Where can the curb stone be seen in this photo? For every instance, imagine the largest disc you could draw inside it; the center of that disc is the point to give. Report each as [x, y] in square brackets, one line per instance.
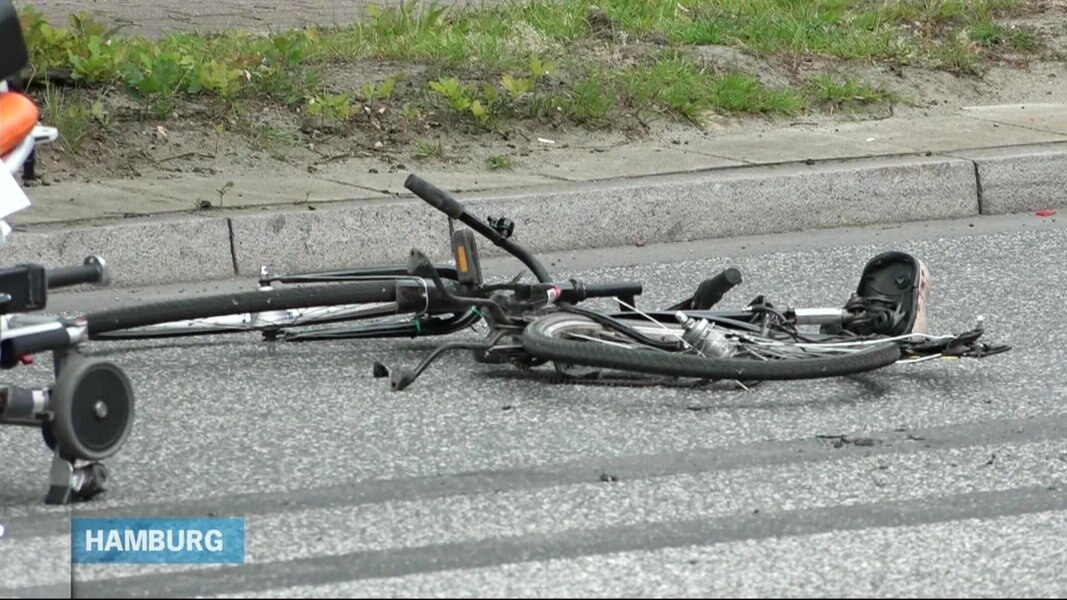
[676, 208]
[654, 209]
[1020, 179]
[143, 253]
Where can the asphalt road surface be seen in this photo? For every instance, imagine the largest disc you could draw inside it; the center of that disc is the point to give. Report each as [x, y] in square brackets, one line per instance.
[480, 480]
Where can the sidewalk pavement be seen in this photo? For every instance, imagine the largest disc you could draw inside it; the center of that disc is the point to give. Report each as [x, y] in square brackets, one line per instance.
[984, 160]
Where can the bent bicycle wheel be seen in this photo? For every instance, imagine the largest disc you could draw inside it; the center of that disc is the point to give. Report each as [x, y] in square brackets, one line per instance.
[574, 339]
[260, 310]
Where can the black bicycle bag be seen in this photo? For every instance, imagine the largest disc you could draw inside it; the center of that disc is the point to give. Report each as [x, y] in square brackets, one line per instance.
[13, 54]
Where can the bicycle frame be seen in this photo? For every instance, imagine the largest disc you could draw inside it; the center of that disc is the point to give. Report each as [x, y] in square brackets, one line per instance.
[509, 313]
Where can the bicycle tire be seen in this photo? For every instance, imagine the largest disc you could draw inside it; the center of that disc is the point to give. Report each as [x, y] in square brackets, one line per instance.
[539, 343]
[121, 319]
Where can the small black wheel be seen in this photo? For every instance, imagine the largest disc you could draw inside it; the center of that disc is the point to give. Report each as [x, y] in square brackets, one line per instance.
[89, 481]
[94, 407]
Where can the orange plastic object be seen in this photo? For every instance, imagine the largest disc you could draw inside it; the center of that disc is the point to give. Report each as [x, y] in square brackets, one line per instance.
[18, 115]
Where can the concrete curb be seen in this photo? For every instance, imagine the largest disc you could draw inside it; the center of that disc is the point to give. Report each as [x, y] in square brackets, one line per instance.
[1020, 179]
[656, 209]
[142, 253]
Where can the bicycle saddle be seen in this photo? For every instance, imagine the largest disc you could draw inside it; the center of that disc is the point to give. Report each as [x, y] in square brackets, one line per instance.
[893, 290]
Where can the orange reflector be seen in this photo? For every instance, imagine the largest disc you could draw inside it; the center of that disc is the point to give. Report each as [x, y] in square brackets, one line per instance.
[461, 259]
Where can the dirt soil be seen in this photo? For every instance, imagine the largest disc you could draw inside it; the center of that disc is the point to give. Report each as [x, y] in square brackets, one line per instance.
[191, 141]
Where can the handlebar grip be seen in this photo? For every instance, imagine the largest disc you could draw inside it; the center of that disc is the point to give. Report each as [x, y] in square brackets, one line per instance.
[434, 196]
[14, 348]
[712, 290]
[610, 290]
[93, 271]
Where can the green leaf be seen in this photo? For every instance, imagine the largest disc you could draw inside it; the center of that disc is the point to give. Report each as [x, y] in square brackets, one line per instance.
[98, 112]
[385, 90]
[479, 111]
[516, 87]
[366, 91]
[539, 68]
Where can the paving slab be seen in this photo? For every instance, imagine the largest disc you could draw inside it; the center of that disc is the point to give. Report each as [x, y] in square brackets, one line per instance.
[787, 145]
[1044, 117]
[391, 183]
[252, 190]
[124, 198]
[632, 160]
[1021, 179]
[940, 134]
[75, 201]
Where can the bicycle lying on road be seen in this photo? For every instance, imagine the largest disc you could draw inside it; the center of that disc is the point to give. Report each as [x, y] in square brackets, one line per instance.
[86, 416]
[534, 323]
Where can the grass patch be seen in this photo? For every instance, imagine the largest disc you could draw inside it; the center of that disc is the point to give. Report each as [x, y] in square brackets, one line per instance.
[273, 140]
[991, 34]
[500, 163]
[957, 57]
[73, 116]
[934, 14]
[550, 60]
[678, 86]
[592, 101]
[836, 93]
[429, 149]
[774, 27]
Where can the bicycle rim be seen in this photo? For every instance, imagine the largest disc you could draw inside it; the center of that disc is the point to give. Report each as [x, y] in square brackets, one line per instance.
[574, 339]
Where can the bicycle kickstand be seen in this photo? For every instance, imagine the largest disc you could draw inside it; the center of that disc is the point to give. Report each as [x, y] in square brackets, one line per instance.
[401, 377]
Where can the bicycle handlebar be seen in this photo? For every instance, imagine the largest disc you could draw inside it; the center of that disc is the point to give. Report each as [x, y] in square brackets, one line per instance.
[435, 196]
[444, 202]
[43, 338]
[712, 290]
[93, 271]
[584, 291]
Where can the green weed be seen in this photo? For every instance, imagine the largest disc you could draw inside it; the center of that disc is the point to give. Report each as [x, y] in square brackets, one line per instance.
[500, 163]
[461, 97]
[331, 109]
[427, 149]
[73, 118]
[835, 92]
